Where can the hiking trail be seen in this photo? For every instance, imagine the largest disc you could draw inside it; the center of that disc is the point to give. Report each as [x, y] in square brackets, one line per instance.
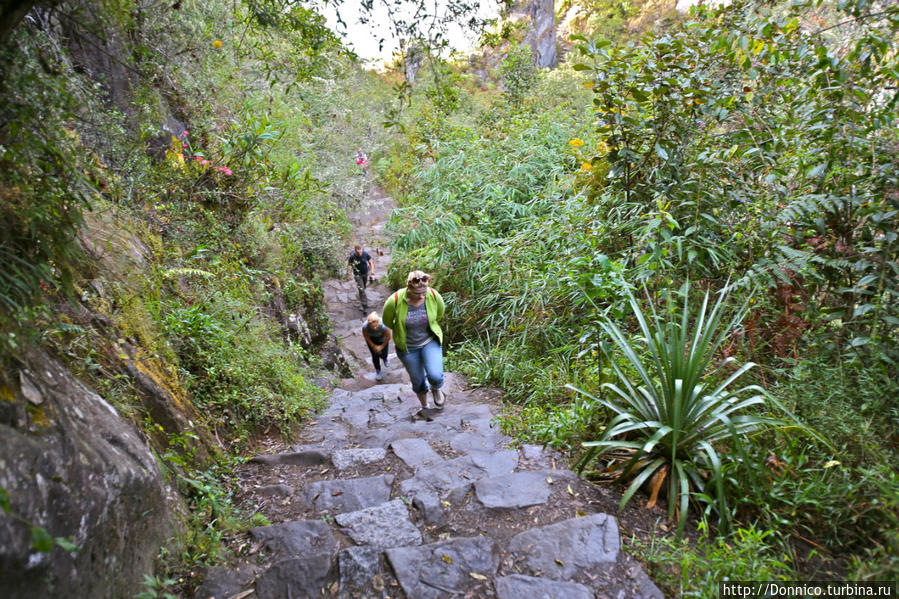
[382, 499]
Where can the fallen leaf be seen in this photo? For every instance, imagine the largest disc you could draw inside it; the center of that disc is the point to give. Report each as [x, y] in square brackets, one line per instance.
[445, 503]
[477, 576]
[378, 583]
[549, 480]
[447, 559]
[560, 562]
[831, 464]
[570, 492]
[336, 493]
[580, 513]
[334, 588]
[388, 468]
[655, 485]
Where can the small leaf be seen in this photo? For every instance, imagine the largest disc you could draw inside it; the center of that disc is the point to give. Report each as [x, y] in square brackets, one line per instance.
[549, 480]
[570, 492]
[447, 558]
[560, 562]
[477, 576]
[41, 540]
[71, 547]
[831, 464]
[661, 152]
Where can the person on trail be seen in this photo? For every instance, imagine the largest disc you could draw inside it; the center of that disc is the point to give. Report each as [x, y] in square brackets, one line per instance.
[362, 161]
[377, 336]
[360, 267]
[414, 314]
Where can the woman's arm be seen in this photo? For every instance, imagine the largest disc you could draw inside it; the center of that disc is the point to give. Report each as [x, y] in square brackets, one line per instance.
[386, 340]
[368, 340]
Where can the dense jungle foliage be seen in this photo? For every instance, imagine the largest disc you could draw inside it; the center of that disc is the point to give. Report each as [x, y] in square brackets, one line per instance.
[676, 252]
[747, 153]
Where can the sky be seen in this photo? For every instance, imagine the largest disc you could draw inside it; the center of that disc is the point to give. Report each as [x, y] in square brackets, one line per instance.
[364, 39]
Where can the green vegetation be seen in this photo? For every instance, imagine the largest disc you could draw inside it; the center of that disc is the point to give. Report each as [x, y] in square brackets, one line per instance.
[174, 185]
[753, 146]
[671, 414]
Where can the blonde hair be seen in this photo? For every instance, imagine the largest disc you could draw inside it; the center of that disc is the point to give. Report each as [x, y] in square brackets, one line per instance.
[373, 318]
[416, 273]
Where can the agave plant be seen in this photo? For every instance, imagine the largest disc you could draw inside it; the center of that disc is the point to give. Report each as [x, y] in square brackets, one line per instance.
[674, 409]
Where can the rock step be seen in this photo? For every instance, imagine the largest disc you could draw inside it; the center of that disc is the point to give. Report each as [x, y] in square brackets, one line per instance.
[579, 557]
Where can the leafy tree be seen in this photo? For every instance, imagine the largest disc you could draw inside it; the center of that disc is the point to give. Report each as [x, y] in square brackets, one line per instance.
[519, 71]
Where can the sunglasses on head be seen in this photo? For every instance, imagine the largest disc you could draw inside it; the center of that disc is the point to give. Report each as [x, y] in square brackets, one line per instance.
[417, 280]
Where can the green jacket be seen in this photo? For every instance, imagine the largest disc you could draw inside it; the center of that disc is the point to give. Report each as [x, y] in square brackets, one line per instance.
[396, 307]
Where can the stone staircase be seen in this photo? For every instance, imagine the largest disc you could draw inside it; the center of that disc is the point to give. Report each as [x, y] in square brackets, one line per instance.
[382, 499]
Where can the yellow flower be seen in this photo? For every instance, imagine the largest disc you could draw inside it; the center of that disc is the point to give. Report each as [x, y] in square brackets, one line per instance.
[586, 166]
[576, 142]
[588, 84]
[217, 44]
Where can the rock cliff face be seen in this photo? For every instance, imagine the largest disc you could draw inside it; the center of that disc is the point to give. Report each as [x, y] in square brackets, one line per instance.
[71, 465]
[541, 34]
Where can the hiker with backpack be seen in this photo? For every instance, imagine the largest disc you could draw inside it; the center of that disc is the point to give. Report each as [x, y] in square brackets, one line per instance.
[362, 269]
[414, 314]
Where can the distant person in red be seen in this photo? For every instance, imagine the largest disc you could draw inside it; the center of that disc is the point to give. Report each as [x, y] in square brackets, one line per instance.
[362, 161]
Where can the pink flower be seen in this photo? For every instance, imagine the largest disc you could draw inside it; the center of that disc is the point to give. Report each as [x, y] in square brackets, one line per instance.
[198, 158]
[228, 171]
[185, 133]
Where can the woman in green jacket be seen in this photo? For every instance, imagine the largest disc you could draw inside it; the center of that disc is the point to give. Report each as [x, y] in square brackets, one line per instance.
[413, 314]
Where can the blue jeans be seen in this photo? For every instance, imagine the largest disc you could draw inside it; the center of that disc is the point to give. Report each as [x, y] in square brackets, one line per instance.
[421, 362]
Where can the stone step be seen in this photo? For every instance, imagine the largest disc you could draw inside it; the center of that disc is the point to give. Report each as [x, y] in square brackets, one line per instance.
[454, 567]
[383, 526]
[347, 495]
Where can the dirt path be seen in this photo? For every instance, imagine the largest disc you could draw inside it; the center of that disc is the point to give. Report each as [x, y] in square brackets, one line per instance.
[381, 499]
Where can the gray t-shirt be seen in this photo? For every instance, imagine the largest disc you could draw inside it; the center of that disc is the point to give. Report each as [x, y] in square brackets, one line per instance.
[417, 331]
[376, 335]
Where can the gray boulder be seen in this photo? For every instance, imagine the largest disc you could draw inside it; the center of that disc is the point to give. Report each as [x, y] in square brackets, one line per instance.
[72, 466]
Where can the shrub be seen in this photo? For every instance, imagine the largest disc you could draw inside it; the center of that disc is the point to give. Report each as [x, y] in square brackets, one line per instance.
[672, 409]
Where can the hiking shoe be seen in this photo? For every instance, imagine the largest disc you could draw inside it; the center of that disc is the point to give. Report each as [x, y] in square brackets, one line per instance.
[386, 361]
[439, 398]
[378, 376]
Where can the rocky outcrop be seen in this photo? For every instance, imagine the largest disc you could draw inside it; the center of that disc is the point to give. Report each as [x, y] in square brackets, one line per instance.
[73, 467]
[541, 33]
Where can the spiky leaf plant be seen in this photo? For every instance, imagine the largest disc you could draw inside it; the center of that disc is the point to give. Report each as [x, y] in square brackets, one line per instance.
[674, 409]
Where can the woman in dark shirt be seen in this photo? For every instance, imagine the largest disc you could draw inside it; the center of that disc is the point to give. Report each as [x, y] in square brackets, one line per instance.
[377, 336]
